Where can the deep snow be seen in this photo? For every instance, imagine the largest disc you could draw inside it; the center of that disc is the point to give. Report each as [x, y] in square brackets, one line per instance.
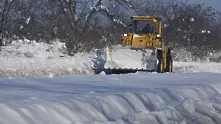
[139, 98]
[28, 58]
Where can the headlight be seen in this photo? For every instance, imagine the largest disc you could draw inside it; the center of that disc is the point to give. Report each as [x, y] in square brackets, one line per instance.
[125, 35]
[158, 35]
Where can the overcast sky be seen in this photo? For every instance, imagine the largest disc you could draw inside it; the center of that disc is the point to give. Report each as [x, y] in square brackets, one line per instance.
[214, 3]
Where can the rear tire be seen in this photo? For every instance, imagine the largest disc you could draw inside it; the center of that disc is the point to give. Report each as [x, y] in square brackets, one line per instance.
[169, 62]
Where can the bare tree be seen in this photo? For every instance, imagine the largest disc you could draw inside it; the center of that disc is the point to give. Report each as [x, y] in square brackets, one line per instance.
[84, 24]
[80, 13]
[5, 7]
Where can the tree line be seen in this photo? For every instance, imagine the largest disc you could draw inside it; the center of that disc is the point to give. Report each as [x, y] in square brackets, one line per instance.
[87, 24]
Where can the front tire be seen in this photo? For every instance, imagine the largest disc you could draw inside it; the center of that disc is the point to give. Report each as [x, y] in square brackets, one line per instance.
[160, 61]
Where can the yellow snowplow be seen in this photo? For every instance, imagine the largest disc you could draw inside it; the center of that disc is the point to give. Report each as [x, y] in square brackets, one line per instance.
[142, 49]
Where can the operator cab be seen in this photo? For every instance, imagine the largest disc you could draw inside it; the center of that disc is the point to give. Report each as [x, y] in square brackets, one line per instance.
[145, 31]
[146, 25]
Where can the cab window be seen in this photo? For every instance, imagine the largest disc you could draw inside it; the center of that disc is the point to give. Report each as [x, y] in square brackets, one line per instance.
[144, 26]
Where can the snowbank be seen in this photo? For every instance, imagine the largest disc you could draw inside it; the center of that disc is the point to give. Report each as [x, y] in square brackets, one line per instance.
[29, 58]
[117, 99]
[189, 67]
[31, 49]
[140, 98]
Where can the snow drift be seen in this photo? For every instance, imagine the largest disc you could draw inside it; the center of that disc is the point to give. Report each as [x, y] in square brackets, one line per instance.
[117, 99]
[140, 98]
[29, 58]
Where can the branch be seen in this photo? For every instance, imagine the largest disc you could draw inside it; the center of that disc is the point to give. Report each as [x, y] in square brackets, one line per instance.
[92, 10]
[100, 8]
[128, 3]
[67, 16]
[72, 10]
[5, 12]
[83, 10]
[10, 4]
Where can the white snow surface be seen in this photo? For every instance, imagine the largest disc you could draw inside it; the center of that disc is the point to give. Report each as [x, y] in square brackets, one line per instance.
[191, 95]
[29, 58]
[141, 98]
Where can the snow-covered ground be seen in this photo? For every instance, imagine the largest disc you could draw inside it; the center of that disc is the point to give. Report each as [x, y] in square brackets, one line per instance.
[140, 98]
[28, 58]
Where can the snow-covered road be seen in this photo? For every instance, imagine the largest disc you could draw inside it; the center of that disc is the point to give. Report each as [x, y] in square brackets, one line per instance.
[141, 98]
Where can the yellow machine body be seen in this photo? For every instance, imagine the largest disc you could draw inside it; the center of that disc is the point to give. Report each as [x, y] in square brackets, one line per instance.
[135, 38]
[145, 42]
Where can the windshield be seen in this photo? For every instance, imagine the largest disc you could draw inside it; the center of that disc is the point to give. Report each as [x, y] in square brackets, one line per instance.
[144, 26]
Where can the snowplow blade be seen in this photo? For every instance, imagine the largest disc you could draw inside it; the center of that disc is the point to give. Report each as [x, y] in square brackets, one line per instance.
[122, 60]
[119, 71]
